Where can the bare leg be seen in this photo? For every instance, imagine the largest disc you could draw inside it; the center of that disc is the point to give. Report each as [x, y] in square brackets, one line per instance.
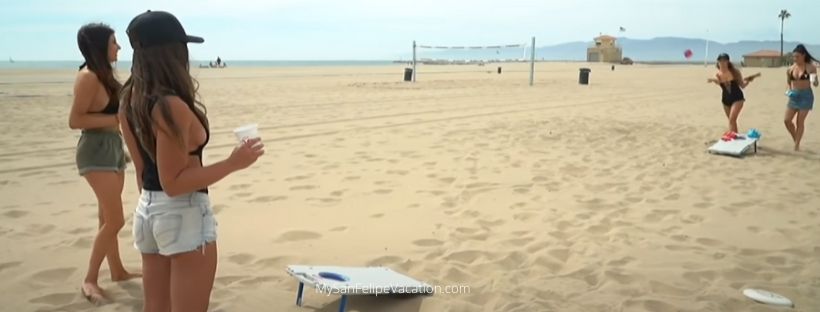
[156, 283]
[734, 112]
[107, 187]
[727, 110]
[800, 127]
[787, 120]
[192, 279]
[118, 271]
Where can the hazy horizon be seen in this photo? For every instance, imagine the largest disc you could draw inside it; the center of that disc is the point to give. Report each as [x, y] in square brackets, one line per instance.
[384, 30]
[194, 60]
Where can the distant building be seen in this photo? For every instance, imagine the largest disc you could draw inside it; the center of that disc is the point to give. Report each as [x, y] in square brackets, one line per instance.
[604, 50]
[763, 58]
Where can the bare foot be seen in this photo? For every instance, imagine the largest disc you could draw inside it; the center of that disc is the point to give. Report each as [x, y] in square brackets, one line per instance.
[124, 276]
[93, 293]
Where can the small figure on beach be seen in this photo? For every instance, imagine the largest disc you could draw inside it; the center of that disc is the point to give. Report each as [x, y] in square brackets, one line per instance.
[218, 64]
[100, 155]
[800, 77]
[732, 83]
[166, 131]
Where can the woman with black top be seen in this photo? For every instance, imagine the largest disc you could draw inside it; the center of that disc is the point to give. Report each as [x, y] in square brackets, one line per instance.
[100, 157]
[732, 84]
[166, 131]
[801, 98]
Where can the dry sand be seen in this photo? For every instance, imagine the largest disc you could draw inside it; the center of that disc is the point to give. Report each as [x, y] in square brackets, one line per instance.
[556, 197]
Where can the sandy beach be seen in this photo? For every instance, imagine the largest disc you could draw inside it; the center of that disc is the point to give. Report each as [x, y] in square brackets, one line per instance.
[555, 197]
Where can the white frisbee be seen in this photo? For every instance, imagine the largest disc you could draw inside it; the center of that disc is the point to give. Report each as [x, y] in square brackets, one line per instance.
[767, 297]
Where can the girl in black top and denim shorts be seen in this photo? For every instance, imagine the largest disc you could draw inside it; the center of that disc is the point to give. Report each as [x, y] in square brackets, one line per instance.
[166, 130]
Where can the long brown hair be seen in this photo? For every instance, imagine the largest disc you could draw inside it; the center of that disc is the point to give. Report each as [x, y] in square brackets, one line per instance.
[807, 58]
[736, 75]
[157, 72]
[93, 40]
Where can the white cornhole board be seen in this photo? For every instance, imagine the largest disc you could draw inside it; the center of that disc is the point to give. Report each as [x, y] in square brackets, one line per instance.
[360, 281]
[767, 297]
[736, 147]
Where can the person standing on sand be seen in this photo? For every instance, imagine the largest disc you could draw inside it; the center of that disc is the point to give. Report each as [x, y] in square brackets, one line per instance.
[100, 156]
[731, 82]
[166, 130]
[799, 79]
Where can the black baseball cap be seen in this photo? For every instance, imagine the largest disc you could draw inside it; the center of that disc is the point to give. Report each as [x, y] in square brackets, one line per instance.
[154, 28]
[723, 56]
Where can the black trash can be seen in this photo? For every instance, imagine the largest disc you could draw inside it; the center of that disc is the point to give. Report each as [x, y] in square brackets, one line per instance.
[499, 69]
[583, 77]
[408, 74]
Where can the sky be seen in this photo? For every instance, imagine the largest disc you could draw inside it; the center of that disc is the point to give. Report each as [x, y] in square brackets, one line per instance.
[385, 29]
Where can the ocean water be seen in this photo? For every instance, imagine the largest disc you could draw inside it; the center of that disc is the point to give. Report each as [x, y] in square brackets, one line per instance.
[127, 64]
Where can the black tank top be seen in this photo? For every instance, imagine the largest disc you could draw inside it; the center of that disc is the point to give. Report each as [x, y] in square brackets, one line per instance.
[150, 172]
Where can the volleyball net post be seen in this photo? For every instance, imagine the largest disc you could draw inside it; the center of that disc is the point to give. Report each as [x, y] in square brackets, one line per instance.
[532, 62]
[414, 61]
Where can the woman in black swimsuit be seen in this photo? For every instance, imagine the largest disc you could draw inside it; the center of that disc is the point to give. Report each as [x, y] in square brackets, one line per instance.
[100, 157]
[732, 84]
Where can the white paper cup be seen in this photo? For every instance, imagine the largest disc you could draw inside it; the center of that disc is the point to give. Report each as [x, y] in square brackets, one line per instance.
[813, 78]
[246, 132]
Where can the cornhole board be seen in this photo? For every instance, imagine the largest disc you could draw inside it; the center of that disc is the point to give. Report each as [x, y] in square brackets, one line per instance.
[735, 147]
[350, 281]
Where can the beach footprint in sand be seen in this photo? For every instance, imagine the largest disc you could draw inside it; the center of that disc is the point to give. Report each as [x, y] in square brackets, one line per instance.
[428, 242]
[53, 276]
[466, 256]
[298, 235]
[239, 187]
[385, 260]
[267, 199]
[9, 265]
[303, 187]
[241, 258]
[58, 299]
[34, 230]
[15, 214]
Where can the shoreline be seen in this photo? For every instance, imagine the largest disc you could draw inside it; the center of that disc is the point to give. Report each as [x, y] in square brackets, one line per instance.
[59, 65]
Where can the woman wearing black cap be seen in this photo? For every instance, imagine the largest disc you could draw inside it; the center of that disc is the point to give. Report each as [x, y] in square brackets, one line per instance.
[801, 98]
[100, 157]
[731, 83]
[166, 130]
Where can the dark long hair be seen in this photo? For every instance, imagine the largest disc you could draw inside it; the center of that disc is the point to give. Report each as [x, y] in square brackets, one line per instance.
[800, 48]
[157, 72]
[736, 75]
[93, 40]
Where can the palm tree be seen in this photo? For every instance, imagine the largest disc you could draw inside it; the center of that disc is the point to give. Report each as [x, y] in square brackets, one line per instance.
[783, 16]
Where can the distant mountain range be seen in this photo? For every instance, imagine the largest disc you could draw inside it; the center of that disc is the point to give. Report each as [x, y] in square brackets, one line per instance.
[662, 49]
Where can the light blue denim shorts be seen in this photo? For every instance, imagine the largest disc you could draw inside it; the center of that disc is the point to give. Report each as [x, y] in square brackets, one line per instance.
[801, 99]
[171, 225]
